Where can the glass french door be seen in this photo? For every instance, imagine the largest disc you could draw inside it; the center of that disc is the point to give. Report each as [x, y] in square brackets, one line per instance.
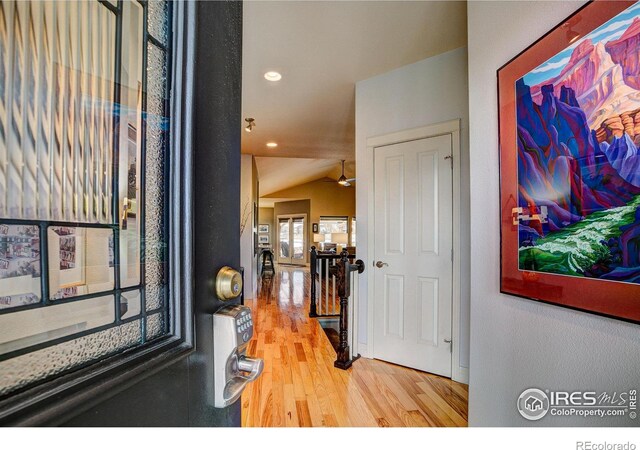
[292, 240]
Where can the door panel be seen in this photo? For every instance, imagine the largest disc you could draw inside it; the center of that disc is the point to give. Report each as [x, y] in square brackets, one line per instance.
[298, 239]
[428, 202]
[428, 310]
[394, 205]
[284, 241]
[292, 236]
[413, 241]
[394, 305]
[182, 393]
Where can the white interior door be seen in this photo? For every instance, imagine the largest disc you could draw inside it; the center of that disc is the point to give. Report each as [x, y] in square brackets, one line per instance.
[292, 239]
[413, 249]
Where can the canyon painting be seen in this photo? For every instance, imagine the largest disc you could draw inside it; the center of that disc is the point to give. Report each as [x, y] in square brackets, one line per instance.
[578, 157]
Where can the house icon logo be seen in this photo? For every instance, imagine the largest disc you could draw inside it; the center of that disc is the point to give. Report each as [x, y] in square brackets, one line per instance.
[533, 404]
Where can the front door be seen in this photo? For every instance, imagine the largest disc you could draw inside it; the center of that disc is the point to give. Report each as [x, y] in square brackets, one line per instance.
[292, 239]
[119, 203]
[413, 254]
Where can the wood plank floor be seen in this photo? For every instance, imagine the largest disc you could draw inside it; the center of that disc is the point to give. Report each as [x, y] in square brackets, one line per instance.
[300, 387]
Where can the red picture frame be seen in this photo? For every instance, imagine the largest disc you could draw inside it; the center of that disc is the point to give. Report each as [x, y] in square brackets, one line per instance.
[615, 299]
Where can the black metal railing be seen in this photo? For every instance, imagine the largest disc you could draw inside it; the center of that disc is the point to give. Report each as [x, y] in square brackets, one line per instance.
[341, 269]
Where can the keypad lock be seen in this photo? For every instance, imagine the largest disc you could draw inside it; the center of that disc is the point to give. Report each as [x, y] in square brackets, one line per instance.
[233, 369]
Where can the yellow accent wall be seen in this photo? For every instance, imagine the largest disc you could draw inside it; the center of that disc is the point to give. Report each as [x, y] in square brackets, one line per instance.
[327, 198]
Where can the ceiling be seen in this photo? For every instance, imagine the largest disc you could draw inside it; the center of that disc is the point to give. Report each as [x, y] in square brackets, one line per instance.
[276, 173]
[322, 49]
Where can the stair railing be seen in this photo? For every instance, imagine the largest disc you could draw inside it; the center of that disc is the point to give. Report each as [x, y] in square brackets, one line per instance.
[343, 287]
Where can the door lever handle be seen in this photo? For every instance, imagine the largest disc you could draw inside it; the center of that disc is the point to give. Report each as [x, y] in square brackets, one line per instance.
[380, 264]
[447, 341]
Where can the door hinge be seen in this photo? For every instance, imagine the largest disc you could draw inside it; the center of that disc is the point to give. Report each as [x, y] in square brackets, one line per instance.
[450, 158]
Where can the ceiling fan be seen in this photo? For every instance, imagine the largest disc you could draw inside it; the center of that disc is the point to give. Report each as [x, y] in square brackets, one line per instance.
[344, 181]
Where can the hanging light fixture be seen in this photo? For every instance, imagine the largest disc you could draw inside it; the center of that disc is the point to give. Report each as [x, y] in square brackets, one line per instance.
[251, 123]
[343, 180]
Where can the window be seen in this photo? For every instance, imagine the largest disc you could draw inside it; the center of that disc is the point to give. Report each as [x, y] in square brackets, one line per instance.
[332, 225]
[83, 183]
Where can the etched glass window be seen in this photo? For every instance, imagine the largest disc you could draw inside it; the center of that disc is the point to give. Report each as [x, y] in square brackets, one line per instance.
[84, 122]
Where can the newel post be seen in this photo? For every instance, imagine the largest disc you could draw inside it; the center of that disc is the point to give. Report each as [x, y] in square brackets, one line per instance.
[314, 273]
[343, 283]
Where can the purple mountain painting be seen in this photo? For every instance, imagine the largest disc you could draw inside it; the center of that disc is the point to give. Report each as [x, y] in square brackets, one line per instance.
[579, 158]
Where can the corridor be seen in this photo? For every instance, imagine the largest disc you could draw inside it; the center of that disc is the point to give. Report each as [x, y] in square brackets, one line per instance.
[300, 387]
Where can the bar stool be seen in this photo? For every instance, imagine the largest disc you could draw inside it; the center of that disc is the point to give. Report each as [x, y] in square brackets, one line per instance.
[267, 254]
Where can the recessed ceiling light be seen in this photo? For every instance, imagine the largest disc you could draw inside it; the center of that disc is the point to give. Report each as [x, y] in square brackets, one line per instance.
[272, 144]
[273, 76]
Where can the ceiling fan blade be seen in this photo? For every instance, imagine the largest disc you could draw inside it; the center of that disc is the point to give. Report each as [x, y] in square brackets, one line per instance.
[349, 180]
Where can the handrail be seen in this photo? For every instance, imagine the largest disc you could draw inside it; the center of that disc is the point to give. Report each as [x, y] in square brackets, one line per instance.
[323, 285]
[341, 273]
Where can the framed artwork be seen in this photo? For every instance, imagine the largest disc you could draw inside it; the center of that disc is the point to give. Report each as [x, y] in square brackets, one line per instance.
[255, 227]
[569, 110]
[255, 244]
[68, 255]
[19, 265]
[263, 228]
[315, 227]
[262, 239]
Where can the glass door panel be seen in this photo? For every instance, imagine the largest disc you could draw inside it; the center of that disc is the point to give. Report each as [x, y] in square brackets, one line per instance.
[292, 239]
[297, 257]
[83, 143]
[284, 254]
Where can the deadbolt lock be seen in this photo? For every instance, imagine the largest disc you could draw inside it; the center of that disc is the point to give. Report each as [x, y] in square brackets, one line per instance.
[228, 283]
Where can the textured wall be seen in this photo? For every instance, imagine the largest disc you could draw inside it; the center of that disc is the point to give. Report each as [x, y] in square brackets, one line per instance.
[518, 343]
[427, 92]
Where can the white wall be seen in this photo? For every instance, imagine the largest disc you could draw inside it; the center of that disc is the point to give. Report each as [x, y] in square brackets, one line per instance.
[427, 92]
[248, 196]
[518, 343]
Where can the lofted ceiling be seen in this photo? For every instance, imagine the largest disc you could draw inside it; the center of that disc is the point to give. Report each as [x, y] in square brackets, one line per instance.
[276, 173]
[322, 48]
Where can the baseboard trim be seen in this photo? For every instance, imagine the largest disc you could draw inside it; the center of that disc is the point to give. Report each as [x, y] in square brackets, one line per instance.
[363, 349]
[461, 375]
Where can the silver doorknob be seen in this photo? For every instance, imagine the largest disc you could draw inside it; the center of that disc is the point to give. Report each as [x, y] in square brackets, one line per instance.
[380, 264]
[447, 341]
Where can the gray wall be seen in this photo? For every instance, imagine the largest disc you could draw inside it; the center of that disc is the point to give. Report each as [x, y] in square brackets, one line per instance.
[248, 197]
[518, 343]
[427, 92]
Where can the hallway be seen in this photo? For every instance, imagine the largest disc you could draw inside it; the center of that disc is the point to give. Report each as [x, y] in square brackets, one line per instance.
[300, 386]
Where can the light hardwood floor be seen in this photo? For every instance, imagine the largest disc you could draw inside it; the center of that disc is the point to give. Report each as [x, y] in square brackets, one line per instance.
[300, 387]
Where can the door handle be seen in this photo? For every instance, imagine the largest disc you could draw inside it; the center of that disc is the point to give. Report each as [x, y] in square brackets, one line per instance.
[252, 365]
[447, 341]
[380, 264]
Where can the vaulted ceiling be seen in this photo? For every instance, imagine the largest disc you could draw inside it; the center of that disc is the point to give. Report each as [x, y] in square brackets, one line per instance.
[322, 48]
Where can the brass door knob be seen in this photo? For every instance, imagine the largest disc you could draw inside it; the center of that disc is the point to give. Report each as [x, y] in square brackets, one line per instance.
[228, 283]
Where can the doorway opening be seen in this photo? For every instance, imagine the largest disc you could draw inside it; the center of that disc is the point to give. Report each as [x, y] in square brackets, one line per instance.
[292, 239]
